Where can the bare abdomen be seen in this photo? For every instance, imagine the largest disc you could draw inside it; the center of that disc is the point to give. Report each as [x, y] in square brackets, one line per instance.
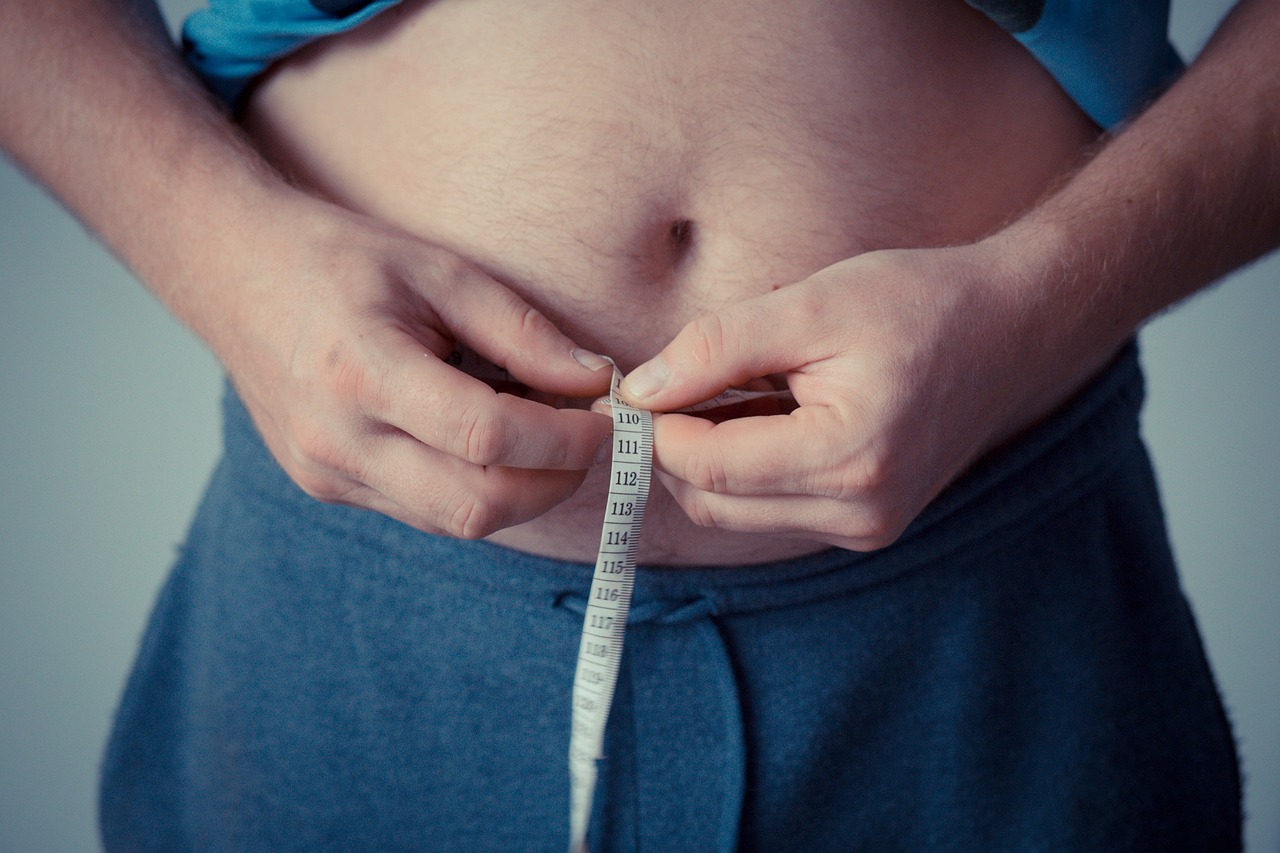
[627, 166]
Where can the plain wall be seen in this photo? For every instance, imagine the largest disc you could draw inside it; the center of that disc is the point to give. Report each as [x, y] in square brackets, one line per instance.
[108, 430]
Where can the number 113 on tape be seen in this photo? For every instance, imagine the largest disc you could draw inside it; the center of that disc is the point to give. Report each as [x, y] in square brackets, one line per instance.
[605, 622]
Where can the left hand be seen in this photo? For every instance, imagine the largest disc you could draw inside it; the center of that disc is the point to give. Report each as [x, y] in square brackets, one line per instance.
[907, 365]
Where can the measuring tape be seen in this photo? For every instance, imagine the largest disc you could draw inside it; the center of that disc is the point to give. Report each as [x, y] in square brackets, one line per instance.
[604, 624]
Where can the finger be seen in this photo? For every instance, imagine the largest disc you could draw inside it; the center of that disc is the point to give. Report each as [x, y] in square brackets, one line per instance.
[439, 493]
[811, 451]
[502, 327]
[853, 525]
[460, 415]
[774, 333]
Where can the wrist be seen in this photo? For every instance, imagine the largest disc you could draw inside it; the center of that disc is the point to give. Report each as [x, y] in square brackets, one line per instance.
[203, 248]
[1073, 288]
[1065, 322]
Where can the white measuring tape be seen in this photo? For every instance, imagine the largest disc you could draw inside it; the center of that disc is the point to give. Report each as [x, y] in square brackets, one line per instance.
[604, 624]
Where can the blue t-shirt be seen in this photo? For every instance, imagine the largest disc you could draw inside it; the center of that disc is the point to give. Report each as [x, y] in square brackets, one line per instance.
[1111, 56]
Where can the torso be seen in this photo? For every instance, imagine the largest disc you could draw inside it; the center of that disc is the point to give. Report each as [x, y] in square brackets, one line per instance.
[627, 166]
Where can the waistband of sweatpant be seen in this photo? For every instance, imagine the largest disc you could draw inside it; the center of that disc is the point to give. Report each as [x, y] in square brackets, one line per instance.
[1053, 465]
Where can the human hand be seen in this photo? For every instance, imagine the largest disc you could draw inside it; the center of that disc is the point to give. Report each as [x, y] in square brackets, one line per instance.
[907, 365]
[337, 341]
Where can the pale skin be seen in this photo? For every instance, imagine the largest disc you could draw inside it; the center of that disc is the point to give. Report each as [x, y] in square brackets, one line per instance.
[329, 377]
[951, 352]
[908, 364]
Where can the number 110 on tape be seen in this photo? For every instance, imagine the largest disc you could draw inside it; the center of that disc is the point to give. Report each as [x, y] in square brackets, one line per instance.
[605, 620]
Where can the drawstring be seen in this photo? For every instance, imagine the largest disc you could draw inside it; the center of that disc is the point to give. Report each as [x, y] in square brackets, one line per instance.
[714, 669]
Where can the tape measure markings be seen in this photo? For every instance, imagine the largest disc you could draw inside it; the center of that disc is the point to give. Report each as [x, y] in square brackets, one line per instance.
[604, 623]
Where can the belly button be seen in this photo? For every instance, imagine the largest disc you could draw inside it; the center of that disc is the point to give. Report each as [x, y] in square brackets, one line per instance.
[669, 248]
[681, 233]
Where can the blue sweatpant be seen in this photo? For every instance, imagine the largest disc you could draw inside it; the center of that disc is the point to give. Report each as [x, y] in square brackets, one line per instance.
[1020, 672]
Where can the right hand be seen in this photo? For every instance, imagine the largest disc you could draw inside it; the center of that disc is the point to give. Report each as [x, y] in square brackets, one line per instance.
[336, 343]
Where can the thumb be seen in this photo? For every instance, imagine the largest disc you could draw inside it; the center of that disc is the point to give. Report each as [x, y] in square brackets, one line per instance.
[718, 351]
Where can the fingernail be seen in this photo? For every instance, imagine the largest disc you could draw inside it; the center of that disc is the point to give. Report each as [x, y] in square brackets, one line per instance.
[589, 359]
[604, 451]
[646, 380]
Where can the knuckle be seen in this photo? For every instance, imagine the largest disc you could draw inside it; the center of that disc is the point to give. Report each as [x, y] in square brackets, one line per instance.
[863, 477]
[316, 451]
[317, 485]
[700, 512]
[346, 369]
[322, 484]
[877, 526]
[692, 503]
[881, 530]
[707, 472]
[445, 268]
[473, 517]
[484, 438]
[440, 276]
[520, 319]
[707, 339]
[876, 517]
[530, 321]
[324, 467]
[562, 455]
[374, 387]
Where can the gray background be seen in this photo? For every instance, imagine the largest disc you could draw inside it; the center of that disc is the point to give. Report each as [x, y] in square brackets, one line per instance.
[108, 433]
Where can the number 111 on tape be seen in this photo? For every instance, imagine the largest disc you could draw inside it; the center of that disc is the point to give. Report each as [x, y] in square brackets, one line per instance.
[605, 621]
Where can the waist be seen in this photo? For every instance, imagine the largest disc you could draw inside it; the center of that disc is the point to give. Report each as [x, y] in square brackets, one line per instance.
[627, 167]
[1055, 465]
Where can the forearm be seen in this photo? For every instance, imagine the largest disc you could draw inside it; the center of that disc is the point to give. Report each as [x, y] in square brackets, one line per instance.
[96, 105]
[1186, 193]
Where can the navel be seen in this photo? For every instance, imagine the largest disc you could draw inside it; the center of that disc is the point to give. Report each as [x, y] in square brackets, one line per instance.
[666, 249]
[681, 234]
